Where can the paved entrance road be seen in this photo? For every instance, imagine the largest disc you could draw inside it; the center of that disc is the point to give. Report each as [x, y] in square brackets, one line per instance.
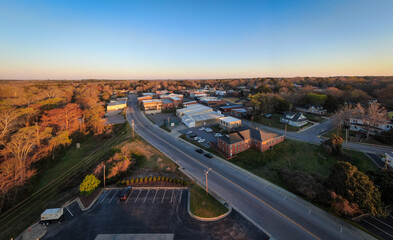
[281, 214]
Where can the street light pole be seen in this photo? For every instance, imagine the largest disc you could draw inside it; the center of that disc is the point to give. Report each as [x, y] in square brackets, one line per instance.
[207, 185]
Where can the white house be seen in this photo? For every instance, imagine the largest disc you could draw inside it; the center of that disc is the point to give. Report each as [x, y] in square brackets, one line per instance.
[312, 109]
[294, 119]
[356, 125]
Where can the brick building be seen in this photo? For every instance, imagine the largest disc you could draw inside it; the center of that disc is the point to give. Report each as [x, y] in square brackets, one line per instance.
[242, 140]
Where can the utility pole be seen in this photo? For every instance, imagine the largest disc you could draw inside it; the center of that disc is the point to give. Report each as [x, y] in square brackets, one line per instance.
[207, 186]
[104, 173]
[346, 137]
[168, 122]
[132, 125]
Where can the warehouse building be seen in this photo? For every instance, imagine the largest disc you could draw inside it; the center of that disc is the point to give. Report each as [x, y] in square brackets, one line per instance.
[201, 119]
[116, 105]
[230, 122]
[152, 106]
[195, 109]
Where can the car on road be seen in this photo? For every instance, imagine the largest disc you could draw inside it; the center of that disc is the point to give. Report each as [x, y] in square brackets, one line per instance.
[124, 193]
[199, 150]
[208, 155]
[201, 128]
[189, 132]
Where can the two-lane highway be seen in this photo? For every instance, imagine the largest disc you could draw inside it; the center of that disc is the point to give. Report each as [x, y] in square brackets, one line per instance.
[281, 215]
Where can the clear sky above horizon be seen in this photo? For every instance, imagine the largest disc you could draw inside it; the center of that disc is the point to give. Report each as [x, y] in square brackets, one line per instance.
[194, 39]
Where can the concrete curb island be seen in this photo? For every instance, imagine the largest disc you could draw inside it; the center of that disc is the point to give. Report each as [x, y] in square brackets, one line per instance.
[202, 218]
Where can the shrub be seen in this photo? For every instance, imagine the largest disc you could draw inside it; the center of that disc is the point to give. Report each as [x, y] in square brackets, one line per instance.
[128, 182]
[89, 184]
[170, 179]
[167, 179]
[159, 178]
[150, 178]
[132, 180]
[137, 180]
[154, 179]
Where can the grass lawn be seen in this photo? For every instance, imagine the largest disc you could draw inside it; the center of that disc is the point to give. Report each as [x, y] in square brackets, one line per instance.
[203, 205]
[274, 121]
[294, 155]
[314, 118]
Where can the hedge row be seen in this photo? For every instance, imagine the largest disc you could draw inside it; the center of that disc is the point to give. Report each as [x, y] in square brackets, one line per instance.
[151, 179]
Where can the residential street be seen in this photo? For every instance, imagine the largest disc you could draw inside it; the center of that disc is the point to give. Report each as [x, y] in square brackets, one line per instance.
[281, 214]
[312, 135]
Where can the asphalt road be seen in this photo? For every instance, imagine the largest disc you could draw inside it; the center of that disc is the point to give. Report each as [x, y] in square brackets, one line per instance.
[281, 214]
[313, 135]
[149, 211]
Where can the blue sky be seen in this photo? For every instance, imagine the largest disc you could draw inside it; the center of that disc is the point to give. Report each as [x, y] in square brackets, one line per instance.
[194, 39]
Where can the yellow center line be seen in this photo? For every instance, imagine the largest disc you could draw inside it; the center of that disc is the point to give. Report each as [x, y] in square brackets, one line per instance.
[256, 197]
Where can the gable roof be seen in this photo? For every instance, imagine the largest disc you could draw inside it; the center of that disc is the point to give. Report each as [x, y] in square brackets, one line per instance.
[293, 116]
[246, 133]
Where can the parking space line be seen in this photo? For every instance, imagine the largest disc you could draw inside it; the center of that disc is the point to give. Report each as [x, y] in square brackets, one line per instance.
[113, 196]
[146, 195]
[155, 195]
[377, 228]
[129, 196]
[382, 222]
[173, 192]
[105, 196]
[137, 196]
[163, 196]
[181, 193]
[69, 211]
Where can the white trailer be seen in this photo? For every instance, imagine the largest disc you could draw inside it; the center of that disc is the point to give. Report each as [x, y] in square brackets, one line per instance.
[51, 215]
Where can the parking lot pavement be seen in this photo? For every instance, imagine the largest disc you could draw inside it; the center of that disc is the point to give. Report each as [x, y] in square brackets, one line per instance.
[379, 226]
[148, 211]
[209, 137]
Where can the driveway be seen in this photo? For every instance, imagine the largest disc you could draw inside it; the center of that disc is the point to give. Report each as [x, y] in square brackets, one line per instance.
[149, 211]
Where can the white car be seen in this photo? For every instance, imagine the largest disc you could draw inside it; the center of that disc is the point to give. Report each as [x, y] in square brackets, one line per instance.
[218, 135]
[209, 130]
[201, 140]
[196, 138]
[189, 132]
[202, 128]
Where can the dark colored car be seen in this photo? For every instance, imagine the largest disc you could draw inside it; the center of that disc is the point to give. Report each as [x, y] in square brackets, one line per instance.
[199, 150]
[124, 193]
[208, 155]
[193, 135]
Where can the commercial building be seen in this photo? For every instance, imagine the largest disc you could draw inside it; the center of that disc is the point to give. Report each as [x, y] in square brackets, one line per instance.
[212, 101]
[167, 103]
[239, 112]
[195, 109]
[230, 107]
[186, 104]
[294, 119]
[152, 106]
[116, 105]
[140, 99]
[203, 119]
[230, 122]
[247, 138]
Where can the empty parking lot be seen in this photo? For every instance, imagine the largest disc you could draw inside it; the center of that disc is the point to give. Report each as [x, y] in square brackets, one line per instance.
[149, 211]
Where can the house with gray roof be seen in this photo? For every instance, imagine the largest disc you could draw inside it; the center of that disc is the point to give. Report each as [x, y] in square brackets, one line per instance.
[294, 119]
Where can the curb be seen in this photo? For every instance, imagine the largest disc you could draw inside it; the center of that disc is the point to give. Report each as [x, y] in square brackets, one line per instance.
[202, 218]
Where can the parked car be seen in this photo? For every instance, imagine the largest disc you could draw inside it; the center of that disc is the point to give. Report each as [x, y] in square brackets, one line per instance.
[218, 135]
[201, 128]
[268, 115]
[52, 215]
[209, 130]
[196, 138]
[199, 150]
[124, 193]
[189, 132]
[193, 135]
[208, 155]
[201, 140]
